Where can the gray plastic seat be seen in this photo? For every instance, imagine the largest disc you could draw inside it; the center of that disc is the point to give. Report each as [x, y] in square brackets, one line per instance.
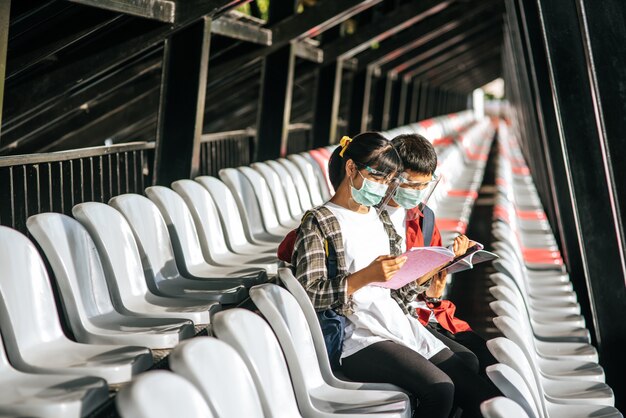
[307, 170]
[161, 394]
[211, 233]
[157, 255]
[295, 188]
[46, 395]
[272, 216]
[220, 375]
[306, 199]
[31, 328]
[240, 236]
[283, 192]
[316, 397]
[255, 342]
[263, 221]
[85, 294]
[123, 270]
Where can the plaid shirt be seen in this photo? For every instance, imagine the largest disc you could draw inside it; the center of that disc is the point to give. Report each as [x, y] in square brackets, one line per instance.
[320, 229]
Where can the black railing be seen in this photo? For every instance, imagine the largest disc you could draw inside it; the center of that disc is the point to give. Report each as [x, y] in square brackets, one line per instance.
[56, 181]
[225, 149]
[300, 138]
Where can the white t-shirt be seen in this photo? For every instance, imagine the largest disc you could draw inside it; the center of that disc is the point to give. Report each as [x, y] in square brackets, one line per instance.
[377, 316]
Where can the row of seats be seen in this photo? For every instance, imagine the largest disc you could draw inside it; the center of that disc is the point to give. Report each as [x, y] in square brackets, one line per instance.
[546, 363]
[137, 275]
[285, 356]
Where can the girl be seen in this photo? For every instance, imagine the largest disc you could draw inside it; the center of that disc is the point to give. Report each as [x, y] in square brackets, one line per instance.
[381, 342]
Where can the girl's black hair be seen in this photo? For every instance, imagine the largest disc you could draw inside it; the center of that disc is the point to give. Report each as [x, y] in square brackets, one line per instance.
[367, 148]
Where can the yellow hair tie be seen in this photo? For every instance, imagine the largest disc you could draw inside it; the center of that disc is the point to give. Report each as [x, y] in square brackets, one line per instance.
[345, 140]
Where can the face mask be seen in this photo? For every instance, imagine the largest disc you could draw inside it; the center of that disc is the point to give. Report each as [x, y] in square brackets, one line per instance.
[370, 193]
[408, 198]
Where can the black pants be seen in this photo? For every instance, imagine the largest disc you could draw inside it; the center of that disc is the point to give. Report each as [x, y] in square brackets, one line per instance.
[439, 383]
[468, 345]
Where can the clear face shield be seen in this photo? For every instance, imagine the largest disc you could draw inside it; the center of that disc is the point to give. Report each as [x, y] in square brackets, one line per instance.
[409, 194]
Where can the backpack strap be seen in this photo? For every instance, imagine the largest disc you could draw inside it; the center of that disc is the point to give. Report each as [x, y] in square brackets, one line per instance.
[428, 225]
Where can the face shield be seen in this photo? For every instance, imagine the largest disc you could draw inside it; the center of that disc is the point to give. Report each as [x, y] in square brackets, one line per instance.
[409, 194]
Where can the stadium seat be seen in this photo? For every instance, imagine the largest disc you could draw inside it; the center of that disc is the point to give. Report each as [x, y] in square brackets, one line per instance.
[283, 192]
[501, 407]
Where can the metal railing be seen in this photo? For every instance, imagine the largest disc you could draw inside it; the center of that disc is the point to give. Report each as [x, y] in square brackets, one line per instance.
[56, 181]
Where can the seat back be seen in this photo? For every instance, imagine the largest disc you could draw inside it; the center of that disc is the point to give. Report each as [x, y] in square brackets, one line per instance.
[295, 288]
[282, 312]
[161, 394]
[306, 168]
[205, 216]
[118, 250]
[76, 265]
[182, 230]
[263, 195]
[306, 200]
[151, 235]
[320, 175]
[289, 185]
[321, 157]
[220, 374]
[255, 342]
[236, 229]
[28, 314]
[512, 385]
[510, 354]
[248, 205]
[283, 211]
[501, 407]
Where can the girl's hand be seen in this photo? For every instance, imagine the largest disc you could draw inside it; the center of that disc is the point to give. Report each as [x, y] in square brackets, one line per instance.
[382, 269]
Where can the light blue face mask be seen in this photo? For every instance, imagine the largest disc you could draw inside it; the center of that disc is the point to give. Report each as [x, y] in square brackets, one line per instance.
[370, 193]
[408, 198]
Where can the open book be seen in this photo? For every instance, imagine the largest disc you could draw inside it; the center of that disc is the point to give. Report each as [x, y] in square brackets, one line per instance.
[423, 262]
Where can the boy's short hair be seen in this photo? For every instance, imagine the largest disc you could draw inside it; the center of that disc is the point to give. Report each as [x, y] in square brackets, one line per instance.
[416, 152]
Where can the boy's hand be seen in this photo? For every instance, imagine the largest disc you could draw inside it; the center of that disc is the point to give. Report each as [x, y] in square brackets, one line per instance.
[461, 244]
[437, 285]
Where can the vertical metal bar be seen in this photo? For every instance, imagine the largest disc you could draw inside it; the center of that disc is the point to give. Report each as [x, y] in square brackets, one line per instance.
[98, 179]
[394, 104]
[415, 101]
[20, 198]
[181, 107]
[5, 7]
[32, 190]
[376, 103]
[360, 87]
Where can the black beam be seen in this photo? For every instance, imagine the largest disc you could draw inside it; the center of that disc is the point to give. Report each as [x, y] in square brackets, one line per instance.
[312, 21]
[415, 100]
[457, 68]
[445, 46]
[359, 97]
[161, 10]
[404, 109]
[276, 89]
[327, 104]
[596, 217]
[478, 77]
[424, 91]
[377, 102]
[5, 7]
[234, 25]
[181, 108]
[453, 21]
[399, 19]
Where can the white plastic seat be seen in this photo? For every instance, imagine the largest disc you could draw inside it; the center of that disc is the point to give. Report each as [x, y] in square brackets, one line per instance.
[513, 386]
[123, 270]
[238, 234]
[306, 168]
[220, 375]
[283, 192]
[319, 175]
[295, 187]
[85, 294]
[157, 255]
[272, 213]
[545, 349]
[501, 407]
[46, 395]
[556, 332]
[306, 200]
[211, 234]
[161, 394]
[561, 369]
[297, 291]
[263, 222]
[31, 328]
[315, 396]
[255, 342]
